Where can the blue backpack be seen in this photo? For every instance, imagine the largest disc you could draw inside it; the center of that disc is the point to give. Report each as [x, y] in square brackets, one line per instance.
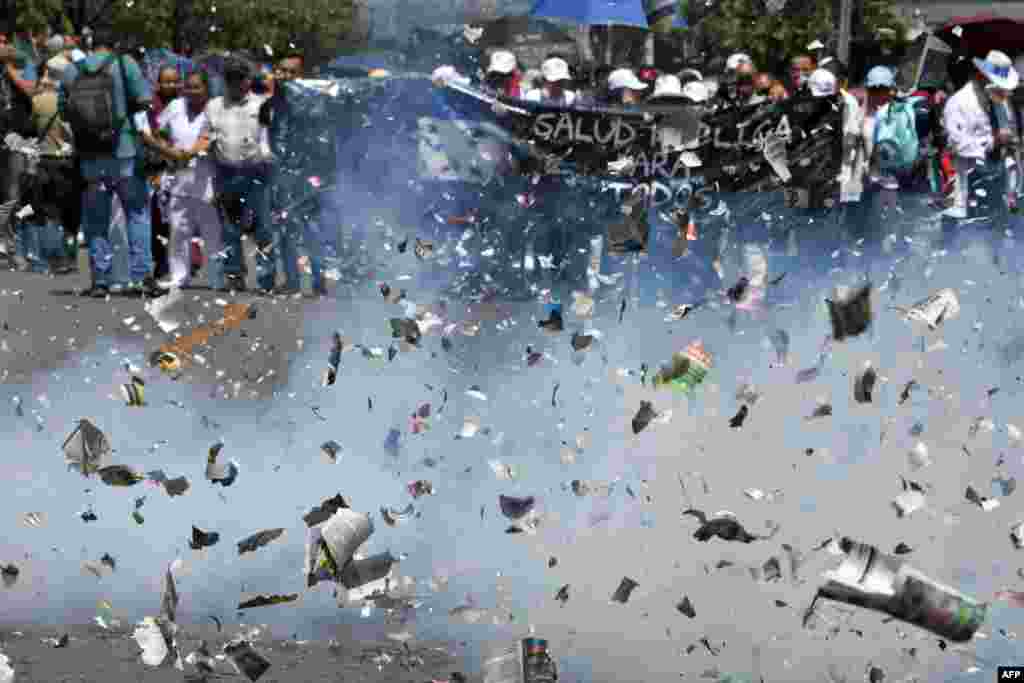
[896, 142]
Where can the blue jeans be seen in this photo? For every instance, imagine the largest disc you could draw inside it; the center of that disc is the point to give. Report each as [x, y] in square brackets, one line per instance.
[40, 243]
[243, 193]
[321, 245]
[106, 178]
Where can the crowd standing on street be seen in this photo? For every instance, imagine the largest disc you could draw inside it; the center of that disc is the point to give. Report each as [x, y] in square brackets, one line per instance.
[175, 167]
[88, 148]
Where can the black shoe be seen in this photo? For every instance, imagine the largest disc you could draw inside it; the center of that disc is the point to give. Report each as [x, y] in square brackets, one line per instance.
[234, 282]
[97, 292]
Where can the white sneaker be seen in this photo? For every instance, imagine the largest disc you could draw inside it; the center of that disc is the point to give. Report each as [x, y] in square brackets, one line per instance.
[170, 283]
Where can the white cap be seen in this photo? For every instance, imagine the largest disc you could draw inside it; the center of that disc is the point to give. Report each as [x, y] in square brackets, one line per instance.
[625, 78]
[693, 73]
[998, 69]
[696, 91]
[667, 86]
[502, 62]
[816, 45]
[555, 69]
[735, 60]
[822, 83]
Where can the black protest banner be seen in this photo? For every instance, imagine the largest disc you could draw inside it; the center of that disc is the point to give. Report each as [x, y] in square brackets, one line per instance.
[794, 145]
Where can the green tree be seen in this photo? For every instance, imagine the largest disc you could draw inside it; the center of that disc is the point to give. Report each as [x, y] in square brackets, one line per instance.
[320, 28]
[771, 39]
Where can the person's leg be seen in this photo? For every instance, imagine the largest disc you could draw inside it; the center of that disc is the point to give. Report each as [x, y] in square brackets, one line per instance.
[135, 201]
[95, 217]
[27, 246]
[315, 243]
[290, 235]
[256, 201]
[12, 165]
[51, 245]
[179, 248]
[226, 190]
[205, 217]
[161, 232]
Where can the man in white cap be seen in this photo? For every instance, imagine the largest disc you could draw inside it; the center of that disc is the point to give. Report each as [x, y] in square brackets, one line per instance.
[555, 72]
[735, 61]
[626, 88]
[503, 74]
[981, 131]
[822, 83]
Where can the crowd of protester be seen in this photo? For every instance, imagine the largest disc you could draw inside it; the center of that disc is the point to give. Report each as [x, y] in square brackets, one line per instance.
[87, 144]
[172, 163]
[964, 136]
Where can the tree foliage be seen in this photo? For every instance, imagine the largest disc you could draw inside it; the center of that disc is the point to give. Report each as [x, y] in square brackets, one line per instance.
[771, 39]
[320, 28]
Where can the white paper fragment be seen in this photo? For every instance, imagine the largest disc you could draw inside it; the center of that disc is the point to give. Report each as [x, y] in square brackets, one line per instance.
[1013, 433]
[151, 640]
[909, 502]
[6, 672]
[919, 456]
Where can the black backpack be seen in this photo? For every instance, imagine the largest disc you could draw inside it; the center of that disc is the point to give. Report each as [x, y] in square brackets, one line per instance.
[89, 109]
[15, 110]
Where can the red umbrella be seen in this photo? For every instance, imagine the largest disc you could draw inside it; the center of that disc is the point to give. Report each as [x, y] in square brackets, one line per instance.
[984, 32]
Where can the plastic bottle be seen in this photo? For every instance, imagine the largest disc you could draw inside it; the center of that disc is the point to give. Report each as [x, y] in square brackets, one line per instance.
[869, 578]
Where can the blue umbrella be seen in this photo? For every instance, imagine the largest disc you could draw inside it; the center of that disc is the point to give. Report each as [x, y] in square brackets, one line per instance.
[586, 12]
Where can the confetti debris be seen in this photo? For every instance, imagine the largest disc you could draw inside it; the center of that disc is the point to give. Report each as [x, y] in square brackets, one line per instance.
[202, 539]
[625, 589]
[86, 449]
[685, 607]
[864, 385]
[258, 540]
[515, 508]
[850, 314]
[331, 450]
[267, 600]
[246, 660]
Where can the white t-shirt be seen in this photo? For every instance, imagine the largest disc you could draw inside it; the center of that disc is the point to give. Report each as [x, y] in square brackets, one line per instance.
[196, 179]
[236, 136]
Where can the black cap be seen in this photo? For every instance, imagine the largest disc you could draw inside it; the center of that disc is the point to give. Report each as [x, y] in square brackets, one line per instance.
[237, 69]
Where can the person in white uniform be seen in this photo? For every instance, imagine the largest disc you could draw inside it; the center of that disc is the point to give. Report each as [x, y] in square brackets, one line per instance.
[188, 187]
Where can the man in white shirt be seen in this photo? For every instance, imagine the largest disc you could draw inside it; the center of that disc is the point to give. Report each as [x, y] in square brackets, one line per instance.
[240, 149]
[977, 145]
[555, 72]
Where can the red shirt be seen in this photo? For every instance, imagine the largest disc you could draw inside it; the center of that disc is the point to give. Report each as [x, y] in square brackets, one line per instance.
[514, 86]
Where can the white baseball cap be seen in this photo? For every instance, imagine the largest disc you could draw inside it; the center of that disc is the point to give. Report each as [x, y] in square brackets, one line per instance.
[735, 60]
[696, 91]
[625, 78]
[822, 83]
[667, 86]
[502, 62]
[555, 69]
